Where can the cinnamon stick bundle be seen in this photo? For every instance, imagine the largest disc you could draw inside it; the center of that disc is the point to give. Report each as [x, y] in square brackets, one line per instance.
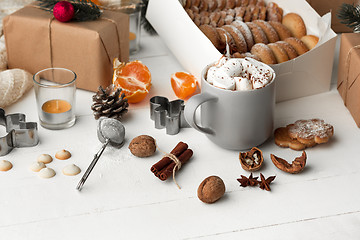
[165, 167]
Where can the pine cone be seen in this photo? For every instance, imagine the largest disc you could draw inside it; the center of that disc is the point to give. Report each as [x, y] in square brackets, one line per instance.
[109, 103]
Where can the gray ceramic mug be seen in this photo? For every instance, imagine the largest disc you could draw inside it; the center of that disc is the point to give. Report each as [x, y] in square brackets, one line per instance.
[234, 120]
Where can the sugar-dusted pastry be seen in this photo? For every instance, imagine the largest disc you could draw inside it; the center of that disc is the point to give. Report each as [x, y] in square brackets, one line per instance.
[295, 24]
[291, 52]
[63, 154]
[5, 165]
[281, 30]
[238, 38]
[244, 55]
[37, 166]
[245, 30]
[47, 173]
[211, 33]
[264, 53]
[225, 36]
[258, 34]
[297, 44]
[44, 158]
[279, 53]
[310, 41]
[269, 31]
[71, 170]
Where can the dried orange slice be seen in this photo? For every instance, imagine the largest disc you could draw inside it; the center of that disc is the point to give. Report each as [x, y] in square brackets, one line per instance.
[134, 78]
[183, 84]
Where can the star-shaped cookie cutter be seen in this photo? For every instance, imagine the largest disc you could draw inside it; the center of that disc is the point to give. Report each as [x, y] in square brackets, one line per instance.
[169, 115]
[19, 132]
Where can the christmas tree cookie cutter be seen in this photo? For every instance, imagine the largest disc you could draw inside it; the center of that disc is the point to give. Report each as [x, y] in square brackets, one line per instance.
[19, 132]
[168, 114]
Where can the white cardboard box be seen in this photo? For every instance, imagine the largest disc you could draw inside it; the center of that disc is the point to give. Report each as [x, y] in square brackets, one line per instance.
[306, 75]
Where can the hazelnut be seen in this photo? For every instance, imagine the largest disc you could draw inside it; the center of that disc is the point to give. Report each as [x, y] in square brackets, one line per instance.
[211, 189]
[142, 146]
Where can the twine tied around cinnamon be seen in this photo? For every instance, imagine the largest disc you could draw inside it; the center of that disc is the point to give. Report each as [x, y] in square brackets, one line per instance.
[175, 160]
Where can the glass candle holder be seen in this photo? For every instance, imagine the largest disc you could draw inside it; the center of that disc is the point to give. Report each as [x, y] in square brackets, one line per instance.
[55, 97]
[133, 8]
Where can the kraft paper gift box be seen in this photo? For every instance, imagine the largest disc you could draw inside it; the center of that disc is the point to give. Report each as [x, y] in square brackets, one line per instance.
[305, 75]
[348, 83]
[35, 41]
[324, 6]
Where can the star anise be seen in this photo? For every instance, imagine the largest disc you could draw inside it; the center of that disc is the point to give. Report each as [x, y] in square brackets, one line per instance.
[265, 183]
[251, 181]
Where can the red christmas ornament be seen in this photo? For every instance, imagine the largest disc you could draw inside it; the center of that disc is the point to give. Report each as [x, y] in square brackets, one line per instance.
[63, 11]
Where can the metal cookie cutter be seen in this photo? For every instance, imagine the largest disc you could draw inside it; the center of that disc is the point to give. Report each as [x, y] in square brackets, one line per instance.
[168, 114]
[19, 132]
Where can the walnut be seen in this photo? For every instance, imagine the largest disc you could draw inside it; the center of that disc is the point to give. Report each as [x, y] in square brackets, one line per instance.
[143, 146]
[251, 160]
[295, 167]
[211, 189]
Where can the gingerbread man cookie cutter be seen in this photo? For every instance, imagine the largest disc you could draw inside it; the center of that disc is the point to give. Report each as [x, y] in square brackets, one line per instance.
[19, 133]
[168, 114]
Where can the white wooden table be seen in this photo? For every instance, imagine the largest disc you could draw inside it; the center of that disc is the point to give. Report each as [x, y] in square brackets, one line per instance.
[122, 199]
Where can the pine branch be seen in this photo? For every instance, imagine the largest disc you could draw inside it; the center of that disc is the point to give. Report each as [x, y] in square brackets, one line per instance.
[84, 10]
[349, 15]
[144, 22]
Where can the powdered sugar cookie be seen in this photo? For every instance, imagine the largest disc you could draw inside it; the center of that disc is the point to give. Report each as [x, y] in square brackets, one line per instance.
[71, 170]
[37, 166]
[47, 173]
[297, 44]
[63, 154]
[269, 31]
[291, 52]
[311, 131]
[5, 165]
[264, 53]
[44, 158]
[279, 53]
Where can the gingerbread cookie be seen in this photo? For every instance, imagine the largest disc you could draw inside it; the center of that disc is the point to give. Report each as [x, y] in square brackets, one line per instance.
[311, 131]
[303, 134]
[279, 53]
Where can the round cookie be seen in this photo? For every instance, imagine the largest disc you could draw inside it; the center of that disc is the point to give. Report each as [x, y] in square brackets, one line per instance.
[295, 24]
[255, 13]
[223, 37]
[203, 6]
[44, 158]
[212, 5]
[187, 4]
[240, 12]
[310, 41]
[211, 34]
[312, 131]
[214, 18]
[230, 4]
[291, 52]
[258, 34]
[297, 44]
[248, 13]
[281, 30]
[221, 4]
[63, 154]
[244, 3]
[195, 3]
[47, 173]
[190, 13]
[279, 53]
[264, 53]
[228, 19]
[205, 20]
[71, 170]
[260, 3]
[5, 165]
[282, 139]
[238, 38]
[269, 31]
[37, 166]
[252, 2]
[262, 13]
[197, 19]
[245, 30]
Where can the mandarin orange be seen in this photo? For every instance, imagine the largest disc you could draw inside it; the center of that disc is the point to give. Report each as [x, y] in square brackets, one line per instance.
[134, 78]
[183, 84]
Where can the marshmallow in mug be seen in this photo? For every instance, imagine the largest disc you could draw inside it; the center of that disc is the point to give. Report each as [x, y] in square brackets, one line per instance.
[240, 74]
